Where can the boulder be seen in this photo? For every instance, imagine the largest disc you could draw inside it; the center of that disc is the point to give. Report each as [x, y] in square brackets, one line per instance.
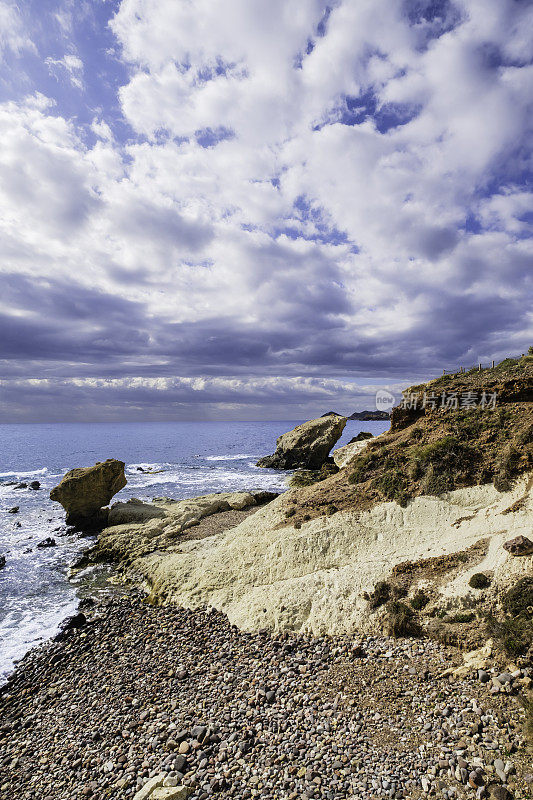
[307, 446]
[35, 485]
[133, 511]
[83, 492]
[14, 510]
[519, 546]
[70, 624]
[48, 542]
[2, 562]
[343, 455]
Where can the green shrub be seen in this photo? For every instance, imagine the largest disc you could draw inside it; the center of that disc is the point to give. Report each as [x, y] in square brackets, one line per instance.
[514, 633]
[519, 599]
[393, 486]
[479, 581]
[460, 617]
[446, 454]
[380, 595]
[401, 620]
[420, 600]
[436, 484]
[399, 591]
[304, 477]
[502, 482]
[526, 436]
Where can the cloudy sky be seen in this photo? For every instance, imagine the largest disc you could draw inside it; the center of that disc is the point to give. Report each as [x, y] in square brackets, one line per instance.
[246, 209]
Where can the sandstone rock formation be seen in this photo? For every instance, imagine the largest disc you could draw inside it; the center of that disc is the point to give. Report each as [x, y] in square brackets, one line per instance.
[312, 578]
[307, 446]
[137, 538]
[134, 511]
[84, 491]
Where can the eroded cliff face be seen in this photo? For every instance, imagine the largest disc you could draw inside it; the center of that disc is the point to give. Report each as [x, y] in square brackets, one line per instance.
[423, 509]
[317, 577]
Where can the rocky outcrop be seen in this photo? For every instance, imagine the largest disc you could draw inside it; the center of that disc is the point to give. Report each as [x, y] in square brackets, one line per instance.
[313, 577]
[373, 416]
[519, 546]
[307, 446]
[134, 511]
[343, 455]
[138, 538]
[84, 492]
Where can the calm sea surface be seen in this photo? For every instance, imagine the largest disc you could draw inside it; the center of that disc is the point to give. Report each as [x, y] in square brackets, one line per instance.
[196, 458]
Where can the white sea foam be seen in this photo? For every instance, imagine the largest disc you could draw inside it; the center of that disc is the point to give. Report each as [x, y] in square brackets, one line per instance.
[30, 474]
[238, 457]
[22, 629]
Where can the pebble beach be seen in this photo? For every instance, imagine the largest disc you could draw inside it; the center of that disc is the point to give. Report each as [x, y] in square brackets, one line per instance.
[142, 696]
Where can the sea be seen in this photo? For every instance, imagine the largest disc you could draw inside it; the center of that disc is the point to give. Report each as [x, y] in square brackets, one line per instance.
[184, 459]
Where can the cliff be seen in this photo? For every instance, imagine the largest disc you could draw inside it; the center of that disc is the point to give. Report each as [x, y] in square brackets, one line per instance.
[415, 514]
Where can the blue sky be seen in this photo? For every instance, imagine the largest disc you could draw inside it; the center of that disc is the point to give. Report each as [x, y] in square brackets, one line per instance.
[246, 209]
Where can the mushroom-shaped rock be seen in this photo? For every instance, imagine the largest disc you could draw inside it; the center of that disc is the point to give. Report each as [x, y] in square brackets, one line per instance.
[519, 546]
[84, 491]
[307, 446]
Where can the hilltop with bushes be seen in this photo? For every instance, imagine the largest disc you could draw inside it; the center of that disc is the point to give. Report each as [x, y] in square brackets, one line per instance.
[453, 432]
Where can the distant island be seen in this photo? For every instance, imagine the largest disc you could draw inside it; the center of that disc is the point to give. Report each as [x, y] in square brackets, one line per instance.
[375, 416]
[370, 415]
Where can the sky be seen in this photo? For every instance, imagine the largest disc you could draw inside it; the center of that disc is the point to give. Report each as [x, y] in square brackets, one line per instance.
[258, 209]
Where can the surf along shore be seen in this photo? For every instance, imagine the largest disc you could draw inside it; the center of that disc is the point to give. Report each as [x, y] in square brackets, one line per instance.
[335, 641]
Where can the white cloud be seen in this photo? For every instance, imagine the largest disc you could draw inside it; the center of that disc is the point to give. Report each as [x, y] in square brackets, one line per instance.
[308, 191]
[13, 36]
[70, 66]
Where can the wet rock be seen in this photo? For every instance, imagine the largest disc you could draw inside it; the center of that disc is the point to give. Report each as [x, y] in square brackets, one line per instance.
[2, 562]
[307, 446]
[262, 497]
[35, 485]
[48, 542]
[73, 623]
[519, 546]
[21, 485]
[14, 510]
[83, 492]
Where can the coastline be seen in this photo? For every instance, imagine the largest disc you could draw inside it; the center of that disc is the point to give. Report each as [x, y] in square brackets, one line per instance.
[142, 691]
[246, 652]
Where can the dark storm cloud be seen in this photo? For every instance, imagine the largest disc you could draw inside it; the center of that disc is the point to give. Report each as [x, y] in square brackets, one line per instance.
[59, 325]
[367, 218]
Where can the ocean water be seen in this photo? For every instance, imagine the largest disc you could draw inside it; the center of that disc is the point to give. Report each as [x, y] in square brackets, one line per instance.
[194, 458]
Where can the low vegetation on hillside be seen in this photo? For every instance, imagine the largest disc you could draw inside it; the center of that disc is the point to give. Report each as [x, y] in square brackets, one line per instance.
[433, 450]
